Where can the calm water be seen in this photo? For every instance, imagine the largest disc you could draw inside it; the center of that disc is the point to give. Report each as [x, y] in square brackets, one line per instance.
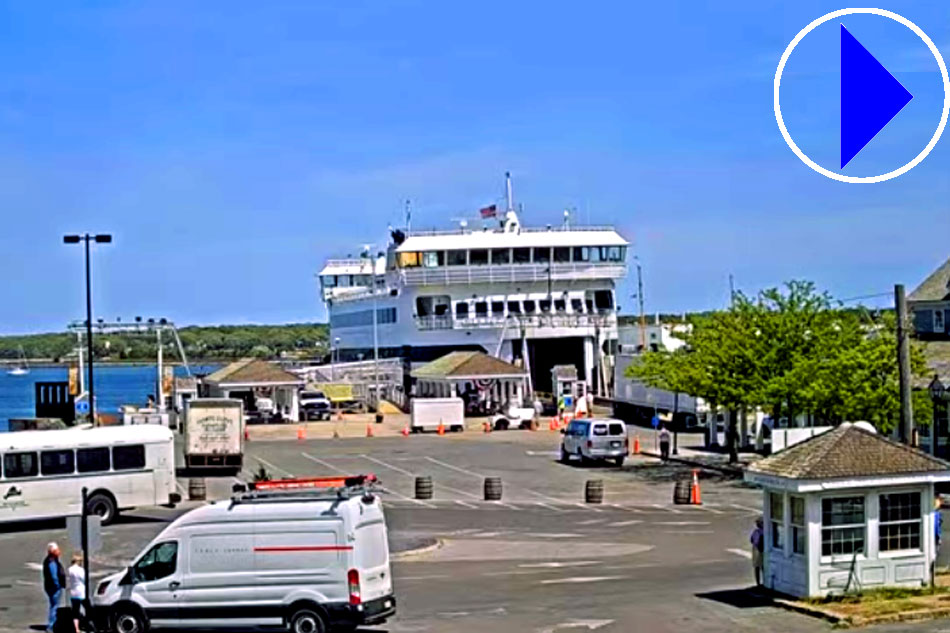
[115, 386]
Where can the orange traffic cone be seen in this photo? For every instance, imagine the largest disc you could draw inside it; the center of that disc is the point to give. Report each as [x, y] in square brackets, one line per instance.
[486, 427]
[441, 428]
[301, 433]
[552, 424]
[405, 431]
[694, 498]
[247, 437]
[369, 430]
[339, 414]
[636, 444]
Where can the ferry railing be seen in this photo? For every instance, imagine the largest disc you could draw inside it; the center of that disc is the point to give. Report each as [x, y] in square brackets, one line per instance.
[511, 273]
[556, 320]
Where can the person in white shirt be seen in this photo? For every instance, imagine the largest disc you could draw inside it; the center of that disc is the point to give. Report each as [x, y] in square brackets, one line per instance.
[76, 579]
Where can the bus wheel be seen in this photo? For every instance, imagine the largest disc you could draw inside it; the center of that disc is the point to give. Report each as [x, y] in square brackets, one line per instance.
[103, 505]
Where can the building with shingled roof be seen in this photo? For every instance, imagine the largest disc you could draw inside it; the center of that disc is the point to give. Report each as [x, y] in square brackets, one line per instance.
[471, 374]
[847, 510]
[930, 304]
[253, 378]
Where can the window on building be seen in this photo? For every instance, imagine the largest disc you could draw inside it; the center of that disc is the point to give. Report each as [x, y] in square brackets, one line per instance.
[797, 508]
[614, 253]
[900, 522]
[562, 254]
[128, 457]
[938, 321]
[498, 308]
[542, 254]
[529, 306]
[514, 307]
[481, 308]
[461, 310]
[433, 259]
[57, 462]
[577, 305]
[560, 305]
[409, 260]
[842, 526]
[581, 254]
[91, 460]
[777, 519]
[478, 257]
[457, 258]
[501, 256]
[595, 254]
[544, 305]
[604, 300]
[521, 255]
[20, 465]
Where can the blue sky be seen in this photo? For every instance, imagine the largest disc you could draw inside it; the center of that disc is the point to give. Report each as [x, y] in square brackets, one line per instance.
[231, 147]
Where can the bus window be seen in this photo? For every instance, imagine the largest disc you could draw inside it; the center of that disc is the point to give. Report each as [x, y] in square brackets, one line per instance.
[128, 457]
[91, 460]
[19, 465]
[57, 462]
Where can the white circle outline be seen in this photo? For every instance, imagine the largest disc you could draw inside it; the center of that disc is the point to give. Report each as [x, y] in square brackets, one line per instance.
[862, 179]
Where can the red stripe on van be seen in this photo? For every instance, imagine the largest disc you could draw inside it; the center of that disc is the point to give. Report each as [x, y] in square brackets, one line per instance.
[305, 548]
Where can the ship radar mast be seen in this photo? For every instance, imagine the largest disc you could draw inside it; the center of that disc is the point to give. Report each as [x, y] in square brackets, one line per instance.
[512, 223]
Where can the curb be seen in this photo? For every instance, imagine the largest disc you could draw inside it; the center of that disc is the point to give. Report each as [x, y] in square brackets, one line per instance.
[804, 609]
[726, 470]
[419, 551]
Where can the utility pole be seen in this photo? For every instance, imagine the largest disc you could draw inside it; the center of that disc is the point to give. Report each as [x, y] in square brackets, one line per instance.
[643, 321]
[732, 291]
[903, 367]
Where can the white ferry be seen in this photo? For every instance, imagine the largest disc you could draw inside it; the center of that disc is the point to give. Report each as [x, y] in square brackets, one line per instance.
[539, 296]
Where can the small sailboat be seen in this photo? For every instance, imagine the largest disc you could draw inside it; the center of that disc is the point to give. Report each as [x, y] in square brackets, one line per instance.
[21, 369]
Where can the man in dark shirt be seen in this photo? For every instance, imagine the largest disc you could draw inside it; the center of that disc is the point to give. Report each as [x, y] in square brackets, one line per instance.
[54, 580]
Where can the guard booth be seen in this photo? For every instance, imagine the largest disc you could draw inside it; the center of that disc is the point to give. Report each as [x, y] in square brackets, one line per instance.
[564, 382]
[845, 511]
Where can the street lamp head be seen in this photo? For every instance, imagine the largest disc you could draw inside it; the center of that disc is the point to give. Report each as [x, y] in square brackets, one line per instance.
[937, 389]
[71, 239]
[103, 238]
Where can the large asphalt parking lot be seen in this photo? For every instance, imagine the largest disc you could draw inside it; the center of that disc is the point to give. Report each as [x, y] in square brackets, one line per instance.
[538, 561]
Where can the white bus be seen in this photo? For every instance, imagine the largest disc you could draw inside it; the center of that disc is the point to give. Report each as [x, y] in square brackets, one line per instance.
[42, 473]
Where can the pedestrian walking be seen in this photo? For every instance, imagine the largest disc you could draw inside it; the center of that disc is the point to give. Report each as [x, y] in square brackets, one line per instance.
[938, 522]
[54, 581]
[757, 539]
[664, 443]
[76, 577]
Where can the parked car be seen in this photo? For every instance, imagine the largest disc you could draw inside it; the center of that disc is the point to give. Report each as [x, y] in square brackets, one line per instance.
[314, 405]
[306, 560]
[265, 406]
[595, 439]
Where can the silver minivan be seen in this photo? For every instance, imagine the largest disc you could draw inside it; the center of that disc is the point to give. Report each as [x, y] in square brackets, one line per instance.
[595, 438]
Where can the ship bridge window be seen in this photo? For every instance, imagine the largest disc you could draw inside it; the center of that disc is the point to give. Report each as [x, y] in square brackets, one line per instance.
[433, 259]
[615, 253]
[545, 305]
[577, 306]
[458, 258]
[329, 281]
[478, 256]
[521, 255]
[542, 255]
[409, 260]
[429, 305]
[529, 306]
[581, 254]
[498, 308]
[481, 308]
[603, 300]
[501, 256]
[560, 305]
[596, 254]
[461, 310]
[562, 254]
[514, 307]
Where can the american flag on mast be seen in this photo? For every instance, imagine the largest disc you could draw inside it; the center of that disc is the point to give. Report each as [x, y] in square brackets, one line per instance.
[488, 212]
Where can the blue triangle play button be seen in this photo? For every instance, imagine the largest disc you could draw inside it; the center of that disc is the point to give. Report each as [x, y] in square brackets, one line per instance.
[870, 97]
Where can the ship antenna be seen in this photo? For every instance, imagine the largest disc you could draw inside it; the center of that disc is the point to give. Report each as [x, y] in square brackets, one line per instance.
[408, 218]
[508, 191]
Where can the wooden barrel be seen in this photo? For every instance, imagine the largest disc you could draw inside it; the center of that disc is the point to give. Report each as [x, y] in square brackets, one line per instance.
[196, 489]
[681, 492]
[492, 488]
[594, 491]
[424, 487]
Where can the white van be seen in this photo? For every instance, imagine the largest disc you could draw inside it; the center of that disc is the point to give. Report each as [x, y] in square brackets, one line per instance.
[310, 555]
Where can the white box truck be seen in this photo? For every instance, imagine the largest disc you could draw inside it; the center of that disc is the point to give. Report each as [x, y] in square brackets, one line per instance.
[214, 433]
[427, 413]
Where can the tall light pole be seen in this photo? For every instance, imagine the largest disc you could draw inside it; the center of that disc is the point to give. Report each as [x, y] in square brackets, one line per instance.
[372, 262]
[100, 238]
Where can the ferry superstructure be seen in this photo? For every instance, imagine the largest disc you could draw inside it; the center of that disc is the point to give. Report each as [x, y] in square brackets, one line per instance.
[535, 296]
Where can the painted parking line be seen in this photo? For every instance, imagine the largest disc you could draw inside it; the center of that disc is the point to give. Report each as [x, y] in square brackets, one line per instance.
[409, 474]
[624, 523]
[273, 467]
[587, 506]
[666, 508]
[418, 502]
[471, 473]
[466, 505]
[740, 552]
[580, 580]
[679, 523]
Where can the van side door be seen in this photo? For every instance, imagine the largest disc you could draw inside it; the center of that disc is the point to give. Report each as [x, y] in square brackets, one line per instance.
[156, 579]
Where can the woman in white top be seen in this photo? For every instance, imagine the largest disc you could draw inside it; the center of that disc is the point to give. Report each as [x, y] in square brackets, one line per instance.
[76, 579]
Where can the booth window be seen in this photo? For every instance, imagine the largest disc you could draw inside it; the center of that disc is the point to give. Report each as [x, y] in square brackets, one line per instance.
[777, 519]
[900, 524]
[842, 526]
[797, 507]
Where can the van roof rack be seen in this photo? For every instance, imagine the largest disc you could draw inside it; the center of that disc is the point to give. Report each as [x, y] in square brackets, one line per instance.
[338, 487]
